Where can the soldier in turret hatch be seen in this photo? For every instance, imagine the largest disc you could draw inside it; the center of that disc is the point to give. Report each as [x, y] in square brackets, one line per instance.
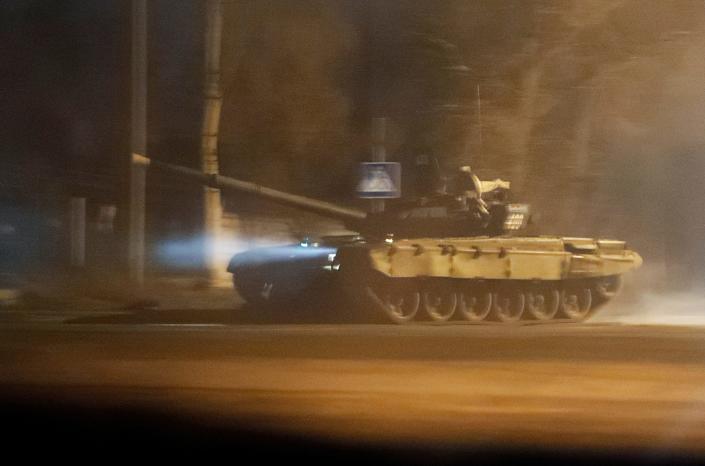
[466, 189]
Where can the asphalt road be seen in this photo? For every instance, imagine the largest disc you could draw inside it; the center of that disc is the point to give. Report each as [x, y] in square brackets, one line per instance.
[593, 386]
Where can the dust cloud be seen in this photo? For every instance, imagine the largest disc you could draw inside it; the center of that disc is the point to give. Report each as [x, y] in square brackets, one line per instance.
[684, 308]
[648, 300]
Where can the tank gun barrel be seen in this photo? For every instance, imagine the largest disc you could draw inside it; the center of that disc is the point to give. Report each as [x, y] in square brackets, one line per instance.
[280, 197]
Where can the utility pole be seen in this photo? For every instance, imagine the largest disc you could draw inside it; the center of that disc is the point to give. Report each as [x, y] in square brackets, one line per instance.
[212, 103]
[138, 143]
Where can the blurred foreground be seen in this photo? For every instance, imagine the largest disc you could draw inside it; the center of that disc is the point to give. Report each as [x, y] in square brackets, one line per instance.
[592, 388]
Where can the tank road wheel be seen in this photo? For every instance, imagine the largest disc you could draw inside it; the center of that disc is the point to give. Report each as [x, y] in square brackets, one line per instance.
[608, 287]
[508, 304]
[439, 301]
[604, 289]
[254, 290]
[475, 303]
[576, 302]
[543, 302]
[399, 301]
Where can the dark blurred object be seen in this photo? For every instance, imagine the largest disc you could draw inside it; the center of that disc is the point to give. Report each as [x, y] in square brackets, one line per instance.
[51, 423]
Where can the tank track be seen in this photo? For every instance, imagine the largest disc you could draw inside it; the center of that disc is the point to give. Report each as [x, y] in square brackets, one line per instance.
[444, 300]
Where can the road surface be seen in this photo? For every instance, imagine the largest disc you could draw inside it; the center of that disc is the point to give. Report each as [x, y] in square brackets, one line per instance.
[593, 386]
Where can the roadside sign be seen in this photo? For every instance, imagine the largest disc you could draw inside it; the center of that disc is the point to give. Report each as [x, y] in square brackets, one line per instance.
[379, 180]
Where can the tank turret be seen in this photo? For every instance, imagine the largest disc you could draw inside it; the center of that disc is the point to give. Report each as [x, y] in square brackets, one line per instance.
[466, 206]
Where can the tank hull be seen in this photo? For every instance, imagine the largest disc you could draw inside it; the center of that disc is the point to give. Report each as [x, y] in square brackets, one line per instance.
[501, 279]
[480, 279]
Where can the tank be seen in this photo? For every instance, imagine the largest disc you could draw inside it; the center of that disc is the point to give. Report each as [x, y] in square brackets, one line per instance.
[453, 255]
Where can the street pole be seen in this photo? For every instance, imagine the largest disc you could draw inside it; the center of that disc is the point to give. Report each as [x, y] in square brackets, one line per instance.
[379, 153]
[138, 143]
[212, 103]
